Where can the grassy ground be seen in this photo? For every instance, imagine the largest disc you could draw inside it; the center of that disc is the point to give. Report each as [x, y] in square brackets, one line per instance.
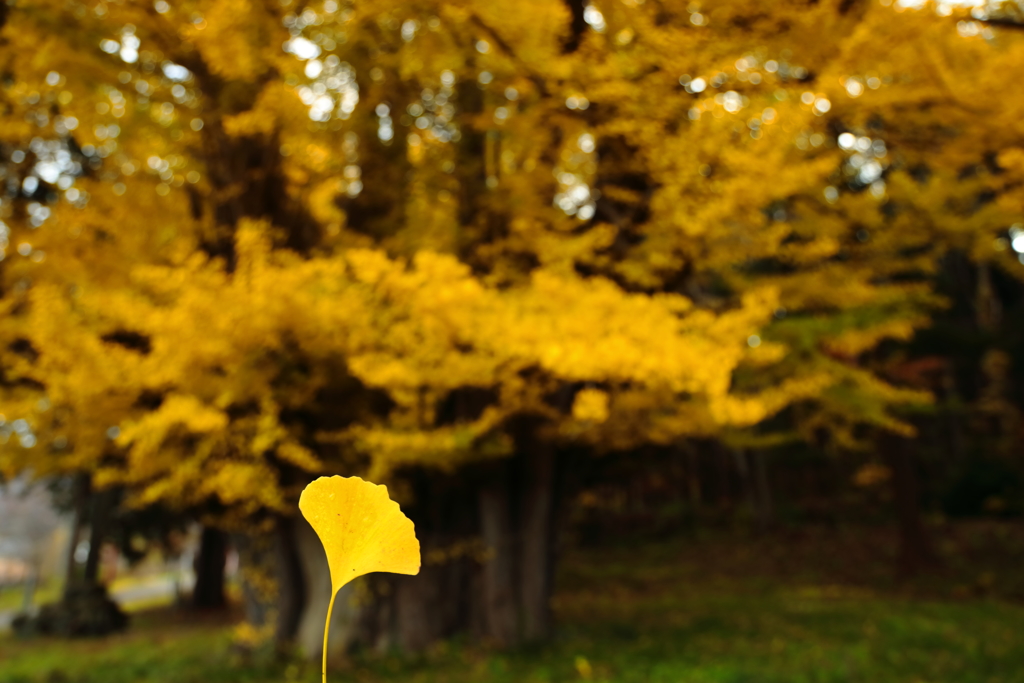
[685, 611]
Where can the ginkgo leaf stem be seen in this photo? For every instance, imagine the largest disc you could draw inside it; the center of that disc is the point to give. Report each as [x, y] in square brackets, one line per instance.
[327, 630]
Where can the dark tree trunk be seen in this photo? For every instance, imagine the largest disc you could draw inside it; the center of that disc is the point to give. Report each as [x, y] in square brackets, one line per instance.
[502, 594]
[517, 524]
[291, 587]
[499, 614]
[209, 568]
[102, 502]
[273, 584]
[693, 479]
[537, 537]
[419, 607]
[915, 553]
[412, 612]
[724, 476]
[374, 626]
[577, 26]
[739, 456]
[762, 485]
[987, 305]
[80, 498]
[956, 442]
[255, 560]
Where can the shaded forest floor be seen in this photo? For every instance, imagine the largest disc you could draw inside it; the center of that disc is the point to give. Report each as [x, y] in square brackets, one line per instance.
[818, 605]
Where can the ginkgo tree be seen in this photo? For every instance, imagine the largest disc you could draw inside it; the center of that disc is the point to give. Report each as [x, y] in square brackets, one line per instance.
[187, 363]
[249, 242]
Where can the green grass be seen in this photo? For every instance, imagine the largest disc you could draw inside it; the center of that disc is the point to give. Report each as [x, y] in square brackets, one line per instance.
[661, 613]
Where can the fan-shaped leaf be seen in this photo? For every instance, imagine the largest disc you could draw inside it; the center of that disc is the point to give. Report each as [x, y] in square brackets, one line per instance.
[362, 531]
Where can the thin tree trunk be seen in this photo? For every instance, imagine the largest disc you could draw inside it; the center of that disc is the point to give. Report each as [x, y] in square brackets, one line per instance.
[209, 569]
[375, 624]
[500, 618]
[765, 504]
[420, 615]
[255, 571]
[956, 443]
[578, 25]
[80, 498]
[693, 480]
[102, 502]
[725, 486]
[291, 588]
[537, 538]
[471, 171]
[273, 588]
[501, 621]
[739, 457]
[29, 591]
[988, 308]
[916, 552]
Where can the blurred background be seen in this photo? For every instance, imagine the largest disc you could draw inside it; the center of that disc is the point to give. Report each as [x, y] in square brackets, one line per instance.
[687, 333]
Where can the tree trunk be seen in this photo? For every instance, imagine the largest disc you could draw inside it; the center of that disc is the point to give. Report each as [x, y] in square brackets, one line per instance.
[504, 598]
[950, 412]
[272, 584]
[915, 553]
[102, 502]
[29, 591]
[765, 504]
[291, 589]
[536, 570]
[80, 498]
[987, 306]
[739, 457]
[499, 613]
[309, 637]
[693, 480]
[578, 25]
[408, 612]
[375, 624]
[209, 569]
[419, 617]
[256, 574]
[725, 484]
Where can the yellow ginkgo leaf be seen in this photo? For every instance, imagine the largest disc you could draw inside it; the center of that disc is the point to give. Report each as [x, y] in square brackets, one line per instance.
[362, 530]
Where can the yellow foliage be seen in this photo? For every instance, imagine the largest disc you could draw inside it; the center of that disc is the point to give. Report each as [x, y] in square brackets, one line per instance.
[271, 257]
[231, 35]
[590, 405]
